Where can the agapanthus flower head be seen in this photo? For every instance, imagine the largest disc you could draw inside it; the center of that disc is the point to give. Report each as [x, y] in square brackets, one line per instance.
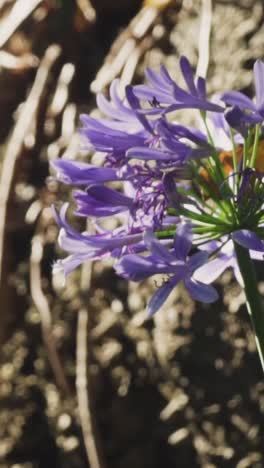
[183, 198]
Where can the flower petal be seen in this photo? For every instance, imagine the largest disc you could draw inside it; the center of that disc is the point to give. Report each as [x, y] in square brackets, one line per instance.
[200, 291]
[248, 239]
[156, 248]
[183, 241]
[160, 296]
[134, 267]
[101, 201]
[80, 173]
[209, 272]
[197, 260]
[150, 154]
[235, 98]
[187, 73]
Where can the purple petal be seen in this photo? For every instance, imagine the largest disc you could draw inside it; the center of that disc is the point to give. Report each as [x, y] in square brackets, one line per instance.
[196, 103]
[60, 218]
[156, 248]
[101, 201]
[116, 109]
[135, 105]
[200, 292]
[166, 76]
[236, 119]
[197, 259]
[239, 120]
[209, 272]
[248, 239]
[235, 98]
[170, 189]
[188, 74]
[107, 108]
[160, 296]
[110, 140]
[108, 195]
[150, 154]
[147, 93]
[183, 241]
[157, 80]
[80, 173]
[256, 255]
[74, 245]
[201, 87]
[259, 83]
[90, 124]
[68, 264]
[170, 130]
[134, 267]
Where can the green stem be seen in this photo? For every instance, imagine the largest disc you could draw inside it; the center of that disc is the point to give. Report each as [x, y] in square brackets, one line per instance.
[254, 304]
[255, 146]
[235, 160]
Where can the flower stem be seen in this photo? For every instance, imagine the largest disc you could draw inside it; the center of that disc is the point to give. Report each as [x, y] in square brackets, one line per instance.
[235, 161]
[255, 146]
[254, 303]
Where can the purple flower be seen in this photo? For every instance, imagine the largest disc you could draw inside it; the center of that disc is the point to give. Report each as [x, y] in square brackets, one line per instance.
[167, 96]
[99, 201]
[81, 173]
[226, 258]
[175, 262]
[84, 246]
[248, 239]
[253, 111]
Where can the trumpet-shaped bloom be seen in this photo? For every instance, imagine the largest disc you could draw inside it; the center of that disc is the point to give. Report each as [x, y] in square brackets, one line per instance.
[176, 263]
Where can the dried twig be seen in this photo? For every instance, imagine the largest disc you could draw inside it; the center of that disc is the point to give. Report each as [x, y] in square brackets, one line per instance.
[15, 144]
[12, 62]
[83, 381]
[204, 38]
[87, 10]
[129, 46]
[94, 455]
[11, 159]
[42, 306]
[20, 11]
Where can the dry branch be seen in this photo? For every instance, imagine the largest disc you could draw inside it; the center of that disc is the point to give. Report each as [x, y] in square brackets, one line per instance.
[129, 46]
[20, 11]
[13, 152]
[83, 379]
[204, 38]
[42, 306]
[87, 10]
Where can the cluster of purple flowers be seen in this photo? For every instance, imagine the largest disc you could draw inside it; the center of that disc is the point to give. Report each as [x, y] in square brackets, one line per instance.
[179, 207]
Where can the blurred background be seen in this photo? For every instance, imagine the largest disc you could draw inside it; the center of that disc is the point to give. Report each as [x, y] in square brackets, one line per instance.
[85, 381]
